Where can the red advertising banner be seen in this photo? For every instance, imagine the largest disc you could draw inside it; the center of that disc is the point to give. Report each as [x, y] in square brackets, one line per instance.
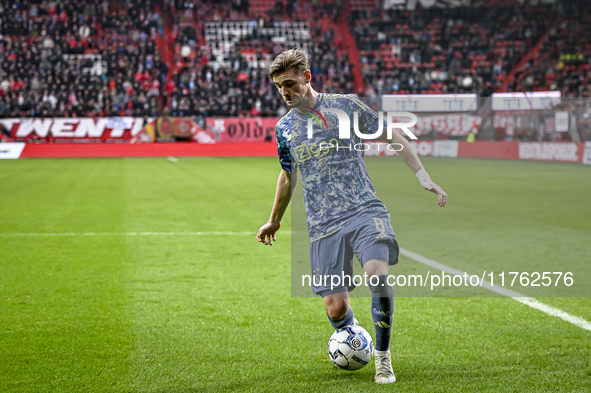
[163, 149]
[535, 151]
[79, 130]
[138, 130]
[257, 129]
[538, 151]
[215, 130]
[380, 148]
[555, 151]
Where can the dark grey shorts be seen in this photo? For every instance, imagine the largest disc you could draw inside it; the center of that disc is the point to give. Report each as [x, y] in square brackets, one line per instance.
[368, 236]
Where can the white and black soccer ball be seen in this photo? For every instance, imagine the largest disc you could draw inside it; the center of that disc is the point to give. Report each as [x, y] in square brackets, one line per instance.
[350, 347]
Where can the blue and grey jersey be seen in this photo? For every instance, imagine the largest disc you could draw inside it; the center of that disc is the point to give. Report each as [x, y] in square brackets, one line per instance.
[335, 181]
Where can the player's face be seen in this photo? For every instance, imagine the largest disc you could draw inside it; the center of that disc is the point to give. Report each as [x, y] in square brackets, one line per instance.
[293, 87]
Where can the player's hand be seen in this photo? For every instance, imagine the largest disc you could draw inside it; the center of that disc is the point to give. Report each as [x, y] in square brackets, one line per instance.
[434, 188]
[266, 234]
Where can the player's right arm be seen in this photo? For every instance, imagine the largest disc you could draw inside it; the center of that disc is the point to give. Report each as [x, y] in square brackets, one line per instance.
[266, 234]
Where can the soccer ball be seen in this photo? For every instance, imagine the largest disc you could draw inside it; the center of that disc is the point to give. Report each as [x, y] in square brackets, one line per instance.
[350, 347]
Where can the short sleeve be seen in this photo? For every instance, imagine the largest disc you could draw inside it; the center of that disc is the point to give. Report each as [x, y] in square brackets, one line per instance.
[282, 150]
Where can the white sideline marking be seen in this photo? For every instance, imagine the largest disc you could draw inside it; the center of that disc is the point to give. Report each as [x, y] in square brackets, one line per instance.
[129, 234]
[172, 159]
[580, 322]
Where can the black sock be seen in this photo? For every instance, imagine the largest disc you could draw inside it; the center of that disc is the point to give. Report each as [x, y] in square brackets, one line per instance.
[382, 311]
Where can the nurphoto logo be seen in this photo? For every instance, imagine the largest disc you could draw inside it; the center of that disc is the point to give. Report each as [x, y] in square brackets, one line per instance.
[345, 124]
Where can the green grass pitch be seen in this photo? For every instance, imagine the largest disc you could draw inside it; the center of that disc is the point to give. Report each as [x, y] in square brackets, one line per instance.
[119, 275]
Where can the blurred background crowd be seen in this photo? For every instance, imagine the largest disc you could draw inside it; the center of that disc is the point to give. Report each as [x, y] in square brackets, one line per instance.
[67, 58]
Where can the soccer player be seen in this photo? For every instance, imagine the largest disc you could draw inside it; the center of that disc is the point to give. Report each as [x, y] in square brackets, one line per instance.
[344, 215]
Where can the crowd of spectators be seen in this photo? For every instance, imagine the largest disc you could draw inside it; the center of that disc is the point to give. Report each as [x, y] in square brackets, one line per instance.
[240, 85]
[46, 68]
[44, 71]
[456, 50]
[564, 59]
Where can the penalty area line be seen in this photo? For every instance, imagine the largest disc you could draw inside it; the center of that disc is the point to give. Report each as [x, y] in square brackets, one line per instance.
[533, 303]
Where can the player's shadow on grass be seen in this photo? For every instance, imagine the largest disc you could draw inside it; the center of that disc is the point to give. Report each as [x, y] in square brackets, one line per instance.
[330, 376]
[342, 376]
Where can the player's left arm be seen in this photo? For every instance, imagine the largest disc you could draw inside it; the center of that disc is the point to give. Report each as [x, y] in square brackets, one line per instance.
[414, 163]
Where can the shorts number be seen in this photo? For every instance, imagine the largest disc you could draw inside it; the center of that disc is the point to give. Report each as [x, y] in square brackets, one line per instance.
[379, 224]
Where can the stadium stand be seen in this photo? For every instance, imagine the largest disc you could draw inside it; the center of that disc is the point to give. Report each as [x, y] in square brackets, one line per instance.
[210, 58]
[563, 60]
[79, 58]
[231, 55]
[457, 50]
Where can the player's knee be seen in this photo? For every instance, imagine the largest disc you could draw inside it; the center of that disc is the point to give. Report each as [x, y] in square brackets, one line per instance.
[337, 309]
[378, 285]
[337, 312]
[375, 267]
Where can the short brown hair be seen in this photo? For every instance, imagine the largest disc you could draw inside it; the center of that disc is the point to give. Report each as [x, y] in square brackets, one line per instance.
[294, 59]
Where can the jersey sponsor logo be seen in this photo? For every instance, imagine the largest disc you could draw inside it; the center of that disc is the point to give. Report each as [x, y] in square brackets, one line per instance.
[304, 152]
